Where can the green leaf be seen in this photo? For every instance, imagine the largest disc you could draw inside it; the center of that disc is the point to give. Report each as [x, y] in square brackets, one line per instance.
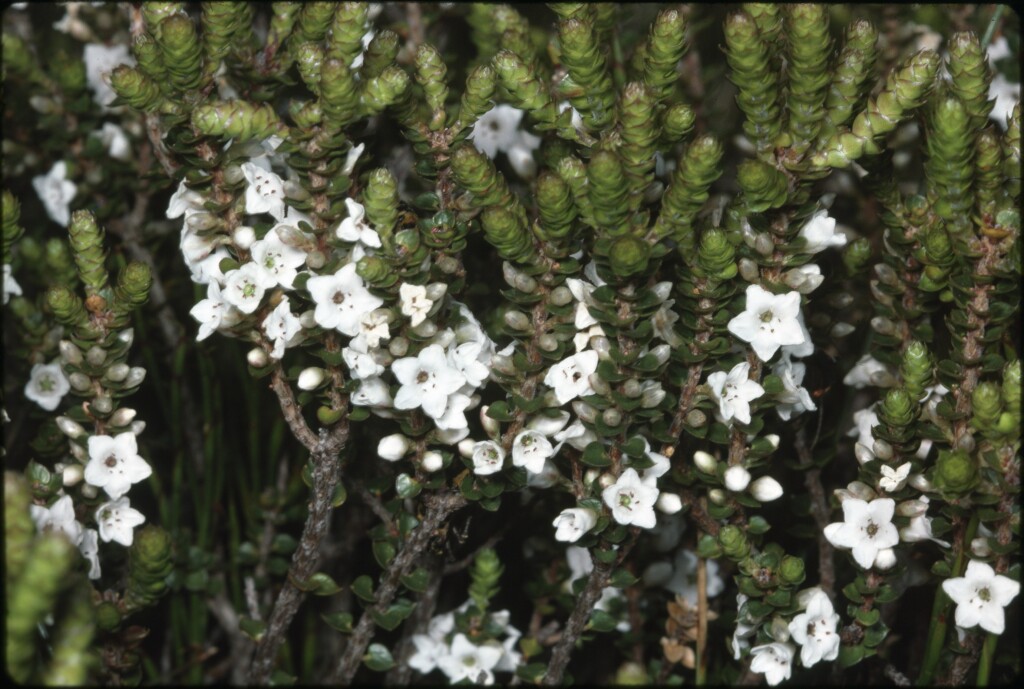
[600, 621]
[254, 629]
[280, 678]
[868, 617]
[319, 584]
[622, 578]
[383, 552]
[378, 658]
[532, 672]
[499, 411]
[393, 616]
[340, 621]
[850, 591]
[340, 495]
[363, 587]
[595, 456]
[416, 580]
[850, 655]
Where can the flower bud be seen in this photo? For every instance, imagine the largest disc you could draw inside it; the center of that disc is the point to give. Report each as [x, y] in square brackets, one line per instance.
[841, 329]
[748, 270]
[547, 342]
[590, 476]
[882, 450]
[651, 395]
[560, 296]
[583, 410]
[885, 559]
[426, 329]
[705, 462]
[606, 480]
[611, 417]
[243, 237]
[631, 388]
[695, 418]
[137, 427]
[466, 446]
[603, 346]
[117, 373]
[766, 489]
[96, 355]
[669, 503]
[79, 452]
[517, 320]
[966, 442]
[912, 508]
[310, 378]
[778, 630]
[70, 428]
[123, 416]
[393, 447]
[980, 547]
[69, 353]
[257, 358]
[398, 346]
[601, 387]
[718, 496]
[662, 353]
[736, 478]
[919, 482]
[72, 475]
[432, 461]
[861, 491]
[89, 491]
[80, 382]
[862, 453]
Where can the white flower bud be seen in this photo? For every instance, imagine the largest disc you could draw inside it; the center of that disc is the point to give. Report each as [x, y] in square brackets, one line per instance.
[466, 446]
[136, 374]
[73, 474]
[886, 559]
[96, 355]
[80, 381]
[600, 386]
[611, 417]
[70, 353]
[912, 508]
[763, 244]
[316, 259]
[966, 442]
[560, 296]
[491, 426]
[841, 329]
[883, 326]
[717, 496]
[89, 491]
[779, 630]
[501, 364]
[584, 411]
[79, 452]
[509, 272]
[748, 270]
[662, 290]
[737, 478]
[590, 476]
[919, 482]
[137, 427]
[517, 320]
[393, 447]
[102, 405]
[426, 329]
[243, 237]
[307, 319]
[447, 264]
[840, 300]
[603, 347]
[257, 358]
[631, 388]
[861, 491]
[432, 461]
[398, 346]
[547, 342]
[705, 462]
[882, 450]
[669, 503]
[980, 547]
[123, 416]
[436, 290]
[862, 453]
[70, 428]
[662, 352]
[117, 373]
[310, 378]
[233, 174]
[202, 221]
[773, 438]
[652, 396]
[766, 489]
[606, 480]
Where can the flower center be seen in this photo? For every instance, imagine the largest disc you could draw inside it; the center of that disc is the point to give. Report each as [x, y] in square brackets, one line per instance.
[984, 594]
[422, 377]
[249, 290]
[339, 298]
[626, 500]
[767, 316]
[111, 461]
[46, 384]
[872, 529]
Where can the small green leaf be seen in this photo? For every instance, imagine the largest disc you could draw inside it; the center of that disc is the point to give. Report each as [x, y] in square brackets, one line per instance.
[532, 672]
[850, 655]
[254, 629]
[600, 621]
[340, 495]
[416, 580]
[595, 456]
[622, 579]
[280, 678]
[868, 617]
[383, 552]
[340, 621]
[378, 658]
[321, 584]
[393, 616]
[363, 587]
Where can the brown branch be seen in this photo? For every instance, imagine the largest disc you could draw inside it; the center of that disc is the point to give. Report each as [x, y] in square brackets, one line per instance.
[292, 411]
[375, 505]
[819, 511]
[439, 508]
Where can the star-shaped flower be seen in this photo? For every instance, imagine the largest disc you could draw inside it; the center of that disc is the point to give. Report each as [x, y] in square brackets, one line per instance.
[90, 549]
[894, 478]
[56, 192]
[769, 321]
[372, 392]
[280, 260]
[47, 385]
[99, 61]
[488, 456]
[115, 141]
[427, 381]
[570, 378]
[373, 327]
[117, 521]
[572, 523]
[244, 287]
[820, 233]
[867, 529]
[454, 416]
[815, 630]
[264, 193]
[794, 399]
[415, 304]
[354, 228]
[631, 500]
[114, 463]
[213, 312]
[341, 300]
[280, 326]
[183, 202]
[60, 516]
[980, 596]
[734, 392]
[496, 130]
[468, 661]
[11, 285]
[531, 449]
[469, 359]
[920, 526]
[774, 661]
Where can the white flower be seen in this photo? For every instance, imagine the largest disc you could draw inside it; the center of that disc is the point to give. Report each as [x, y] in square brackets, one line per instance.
[572, 523]
[360, 363]
[894, 479]
[549, 425]
[920, 527]
[582, 339]
[496, 130]
[766, 489]
[488, 457]
[114, 463]
[806, 347]
[280, 260]
[11, 285]
[184, 201]
[1006, 94]
[820, 233]
[680, 576]
[465, 358]
[737, 478]
[980, 596]
[117, 521]
[774, 661]
[427, 381]
[264, 193]
[280, 326]
[244, 287]
[90, 549]
[354, 228]
[867, 528]
[662, 322]
[414, 302]
[768, 321]
[208, 269]
[100, 60]
[631, 500]
[115, 140]
[373, 327]
[60, 516]
[341, 300]
[576, 435]
[353, 153]
[661, 466]
[865, 420]
[393, 447]
[581, 290]
[744, 629]
[530, 449]
[372, 392]
[56, 192]
[815, 630]
[432, 461]
[794, 399]
[867, 371]
[570, 378]
[468, 661]
[213, 312]
[734, 392]
[429, 651]
[47, 385]
[454, 416]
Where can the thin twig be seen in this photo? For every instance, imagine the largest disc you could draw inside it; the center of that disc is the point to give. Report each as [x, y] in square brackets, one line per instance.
[241, 646]
[453, 567]
[439, 508]
[819, 511]
[374, 503]
[702, 617]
